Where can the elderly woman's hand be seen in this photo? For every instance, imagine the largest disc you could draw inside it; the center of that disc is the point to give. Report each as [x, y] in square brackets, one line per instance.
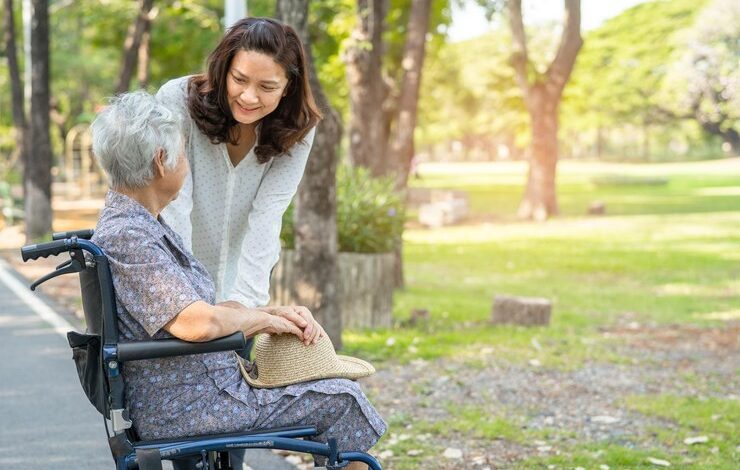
[301, 317]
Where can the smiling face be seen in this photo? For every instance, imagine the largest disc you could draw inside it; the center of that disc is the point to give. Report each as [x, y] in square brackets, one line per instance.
[255, 84]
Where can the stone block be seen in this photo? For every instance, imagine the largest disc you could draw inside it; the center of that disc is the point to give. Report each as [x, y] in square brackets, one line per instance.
[521, 310]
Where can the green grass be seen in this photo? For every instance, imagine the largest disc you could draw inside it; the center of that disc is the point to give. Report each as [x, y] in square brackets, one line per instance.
[592, 456]
[667, 252]
[643, 260]
[717, 419]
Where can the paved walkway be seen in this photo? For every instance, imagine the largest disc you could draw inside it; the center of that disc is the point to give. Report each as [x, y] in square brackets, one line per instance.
[46, 421]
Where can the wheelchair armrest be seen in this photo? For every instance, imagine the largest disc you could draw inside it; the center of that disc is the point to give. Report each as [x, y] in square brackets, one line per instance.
[138, 350]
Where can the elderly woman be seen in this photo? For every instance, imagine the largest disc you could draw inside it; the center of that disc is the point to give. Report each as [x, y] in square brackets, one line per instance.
[162, 291]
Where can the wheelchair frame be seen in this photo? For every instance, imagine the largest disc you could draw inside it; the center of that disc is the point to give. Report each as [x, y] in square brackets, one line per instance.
[99, 305]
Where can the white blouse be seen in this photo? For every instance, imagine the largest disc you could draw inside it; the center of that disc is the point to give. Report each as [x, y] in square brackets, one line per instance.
[230, 217]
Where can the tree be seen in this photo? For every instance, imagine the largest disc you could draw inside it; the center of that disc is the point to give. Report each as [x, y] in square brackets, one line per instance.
[16, 86]
[368, 90]
[314, 221]
[402, 145]
[704, 83]
[542, 97]
[401, 150]
[37, 170]
[620, 73]
[138, 32]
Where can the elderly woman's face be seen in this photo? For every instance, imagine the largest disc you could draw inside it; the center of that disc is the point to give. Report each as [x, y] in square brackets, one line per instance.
[254, 85]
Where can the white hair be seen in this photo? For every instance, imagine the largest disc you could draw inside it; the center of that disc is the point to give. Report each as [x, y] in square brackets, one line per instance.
[129, 133]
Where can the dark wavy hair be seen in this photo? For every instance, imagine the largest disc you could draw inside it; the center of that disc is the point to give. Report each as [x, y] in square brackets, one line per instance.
[297, 112]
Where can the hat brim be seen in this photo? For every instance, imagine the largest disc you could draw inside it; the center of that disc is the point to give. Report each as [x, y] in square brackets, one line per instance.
[348, 368]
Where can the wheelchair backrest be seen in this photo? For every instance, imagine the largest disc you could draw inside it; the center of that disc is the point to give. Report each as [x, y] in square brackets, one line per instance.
[92, 304]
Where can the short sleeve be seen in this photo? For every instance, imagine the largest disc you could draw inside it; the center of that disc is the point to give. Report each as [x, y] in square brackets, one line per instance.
[150, 283]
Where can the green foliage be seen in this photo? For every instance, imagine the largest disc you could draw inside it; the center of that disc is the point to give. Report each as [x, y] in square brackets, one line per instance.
[622, 64]
[370, 213]
[330, 24]
[631, 84]
[703, 80]
[469, 92]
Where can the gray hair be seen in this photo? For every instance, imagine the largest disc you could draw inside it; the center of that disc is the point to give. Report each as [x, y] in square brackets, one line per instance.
[128, 134]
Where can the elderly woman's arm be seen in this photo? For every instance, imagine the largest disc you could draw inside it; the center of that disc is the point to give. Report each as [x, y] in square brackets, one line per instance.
[201, 321]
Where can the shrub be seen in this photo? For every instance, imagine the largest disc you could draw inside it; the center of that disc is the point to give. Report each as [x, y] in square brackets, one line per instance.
[370, 213]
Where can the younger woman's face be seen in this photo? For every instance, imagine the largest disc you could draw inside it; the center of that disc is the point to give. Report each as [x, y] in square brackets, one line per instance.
[254, 85]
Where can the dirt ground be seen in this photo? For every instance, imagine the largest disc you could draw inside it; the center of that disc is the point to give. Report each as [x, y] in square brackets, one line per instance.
[582, 405]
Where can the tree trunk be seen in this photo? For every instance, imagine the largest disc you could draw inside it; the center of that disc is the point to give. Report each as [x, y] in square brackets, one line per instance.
[315, 212]
[542, 98]
[133, 42]
[16, 86]
[646, 141]
[402, 146]
[37, 171]
[142, 75]
[540, 199]
[730, 135]
[368, 136]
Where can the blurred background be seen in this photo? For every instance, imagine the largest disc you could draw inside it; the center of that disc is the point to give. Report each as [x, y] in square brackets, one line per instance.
[541, 199]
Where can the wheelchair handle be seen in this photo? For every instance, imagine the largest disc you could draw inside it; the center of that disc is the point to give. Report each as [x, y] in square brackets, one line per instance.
[86, 234]
[42, 250]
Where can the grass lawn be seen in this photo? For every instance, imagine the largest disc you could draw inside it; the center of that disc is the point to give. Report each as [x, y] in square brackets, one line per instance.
[667, 252]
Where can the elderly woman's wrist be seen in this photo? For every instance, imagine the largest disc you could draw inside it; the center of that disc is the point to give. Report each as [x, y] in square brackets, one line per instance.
[267, 310]
[259, 320]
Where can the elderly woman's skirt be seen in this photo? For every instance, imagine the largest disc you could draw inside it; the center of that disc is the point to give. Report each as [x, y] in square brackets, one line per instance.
[336, 407]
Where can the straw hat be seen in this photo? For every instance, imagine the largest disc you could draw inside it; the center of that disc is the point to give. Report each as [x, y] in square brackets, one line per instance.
[281, 360]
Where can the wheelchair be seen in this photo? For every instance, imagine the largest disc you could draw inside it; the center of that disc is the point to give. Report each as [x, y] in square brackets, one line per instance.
[99, 358]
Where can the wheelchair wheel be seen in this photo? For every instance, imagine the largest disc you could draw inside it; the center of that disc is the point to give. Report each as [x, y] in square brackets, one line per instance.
[213, 461]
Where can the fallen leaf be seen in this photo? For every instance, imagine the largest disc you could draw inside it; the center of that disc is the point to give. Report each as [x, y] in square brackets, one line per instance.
[604, 419]
[452, 453]
[659, 462]
[386, 454]
[695, 440]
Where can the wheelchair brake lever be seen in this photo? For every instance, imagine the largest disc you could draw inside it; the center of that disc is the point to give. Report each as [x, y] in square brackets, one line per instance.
[75, 264]
[63, 265]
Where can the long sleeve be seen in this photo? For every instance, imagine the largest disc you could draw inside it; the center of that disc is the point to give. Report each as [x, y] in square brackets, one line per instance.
[177, 213]
[260, 248]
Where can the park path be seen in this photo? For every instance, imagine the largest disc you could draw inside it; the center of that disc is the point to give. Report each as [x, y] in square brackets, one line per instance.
[46, 420]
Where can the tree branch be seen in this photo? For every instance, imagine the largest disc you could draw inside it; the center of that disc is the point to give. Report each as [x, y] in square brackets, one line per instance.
[519, 56]
[570, 43]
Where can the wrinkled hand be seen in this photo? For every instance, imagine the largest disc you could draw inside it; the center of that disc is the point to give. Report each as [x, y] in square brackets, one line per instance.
[302, 318]
[278, 325]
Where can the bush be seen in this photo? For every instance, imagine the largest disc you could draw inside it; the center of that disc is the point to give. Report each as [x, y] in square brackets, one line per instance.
[370, 213]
